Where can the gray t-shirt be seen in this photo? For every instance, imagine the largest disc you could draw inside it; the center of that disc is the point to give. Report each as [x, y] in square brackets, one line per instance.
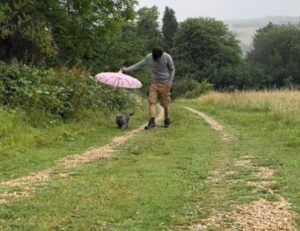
[163, 69]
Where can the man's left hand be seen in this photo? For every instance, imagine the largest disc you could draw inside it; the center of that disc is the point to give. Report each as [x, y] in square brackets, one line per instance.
[123, 70]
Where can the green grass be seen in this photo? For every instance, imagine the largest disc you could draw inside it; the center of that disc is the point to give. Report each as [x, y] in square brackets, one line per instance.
[159, 179]
[274, 140]
[153, 183]
[25, 148]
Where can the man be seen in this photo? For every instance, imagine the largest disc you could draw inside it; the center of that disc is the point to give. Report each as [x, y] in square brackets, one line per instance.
[163, 70]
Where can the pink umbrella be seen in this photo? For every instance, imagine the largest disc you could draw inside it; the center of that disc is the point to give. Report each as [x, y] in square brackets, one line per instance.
[118, 80]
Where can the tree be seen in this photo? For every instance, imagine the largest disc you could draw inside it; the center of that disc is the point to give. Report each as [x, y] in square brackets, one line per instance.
[33, 30]
[148, 27]
[25, 33]
[202, 46]
[277, 51]
[83, 28]
[169, 27]
[123, 49]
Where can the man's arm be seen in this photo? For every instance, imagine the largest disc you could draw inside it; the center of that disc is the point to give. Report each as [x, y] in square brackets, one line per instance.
[171, 68]
[135, 67]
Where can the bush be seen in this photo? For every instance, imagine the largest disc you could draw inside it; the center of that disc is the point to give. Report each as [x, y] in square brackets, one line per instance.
[182, 86]
[202, 88]
[242, 77]
[60, 94]
[190, 88]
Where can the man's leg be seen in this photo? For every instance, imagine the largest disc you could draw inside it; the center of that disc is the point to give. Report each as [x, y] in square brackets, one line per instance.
[153, 95]
[152, 110]
[165, 97]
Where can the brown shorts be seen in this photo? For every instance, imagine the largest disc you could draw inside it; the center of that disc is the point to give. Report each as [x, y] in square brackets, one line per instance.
[160, 91]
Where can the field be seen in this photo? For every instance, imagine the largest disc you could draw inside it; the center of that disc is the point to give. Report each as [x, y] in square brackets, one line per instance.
[228, 162]
[285, 105]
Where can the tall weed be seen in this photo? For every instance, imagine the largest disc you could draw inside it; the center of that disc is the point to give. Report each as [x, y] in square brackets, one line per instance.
[282, 104]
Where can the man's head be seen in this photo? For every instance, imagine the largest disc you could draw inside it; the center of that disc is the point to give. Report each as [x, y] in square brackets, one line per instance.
[157, 53]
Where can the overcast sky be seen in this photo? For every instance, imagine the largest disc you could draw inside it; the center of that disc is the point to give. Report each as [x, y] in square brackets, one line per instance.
[227, 9]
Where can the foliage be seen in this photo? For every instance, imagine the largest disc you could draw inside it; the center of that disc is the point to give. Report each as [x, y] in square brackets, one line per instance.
[25, 32]
[190, 88]
[148, 27]
[33, 31]
[202, 46]
[202, 88]
[169, 27]
[180, 87]
[83, 28]
[242, 77]
[123, 49]
[277, 51]
[102, 36]
[62, 94]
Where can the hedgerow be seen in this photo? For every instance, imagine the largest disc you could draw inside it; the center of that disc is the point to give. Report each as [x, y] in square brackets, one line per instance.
[61, 94]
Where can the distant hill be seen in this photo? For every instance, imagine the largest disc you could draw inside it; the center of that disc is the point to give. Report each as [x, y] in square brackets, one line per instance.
[261, 22]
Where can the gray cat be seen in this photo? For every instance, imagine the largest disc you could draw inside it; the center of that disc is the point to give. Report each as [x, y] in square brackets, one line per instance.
[122, 120]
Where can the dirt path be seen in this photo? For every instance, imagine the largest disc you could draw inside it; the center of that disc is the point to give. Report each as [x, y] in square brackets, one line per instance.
[212, 123]
[260, 215]
[27, 185]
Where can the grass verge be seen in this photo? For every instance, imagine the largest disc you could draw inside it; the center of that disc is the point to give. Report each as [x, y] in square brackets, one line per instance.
[25, 148]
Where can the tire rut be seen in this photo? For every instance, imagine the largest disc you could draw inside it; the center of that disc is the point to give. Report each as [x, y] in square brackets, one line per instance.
[212, 123]
[261, 215]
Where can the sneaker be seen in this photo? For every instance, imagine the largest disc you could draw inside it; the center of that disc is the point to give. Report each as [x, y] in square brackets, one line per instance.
[167, 122]
[151, 124]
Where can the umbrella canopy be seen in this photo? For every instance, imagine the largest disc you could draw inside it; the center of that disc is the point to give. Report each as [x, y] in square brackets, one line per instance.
[118, 80]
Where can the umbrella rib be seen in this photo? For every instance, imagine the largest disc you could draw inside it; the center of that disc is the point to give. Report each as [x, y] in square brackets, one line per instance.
[122, 84]
[118, 82]
[128, 83]
[131, 84]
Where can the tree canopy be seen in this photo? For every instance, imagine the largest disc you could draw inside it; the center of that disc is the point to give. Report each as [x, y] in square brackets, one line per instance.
[169, 27]
[97, 35]
[60, 31]
[277, 52]
[203, 46]
[148, 27]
